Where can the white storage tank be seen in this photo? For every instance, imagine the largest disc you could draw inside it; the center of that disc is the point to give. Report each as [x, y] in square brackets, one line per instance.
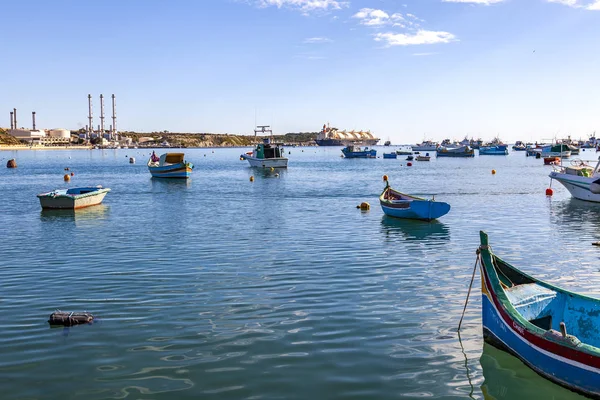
[60, 133]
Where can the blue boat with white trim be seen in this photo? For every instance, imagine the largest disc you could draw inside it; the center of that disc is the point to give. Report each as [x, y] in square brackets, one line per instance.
[401, 205]
[553, 331]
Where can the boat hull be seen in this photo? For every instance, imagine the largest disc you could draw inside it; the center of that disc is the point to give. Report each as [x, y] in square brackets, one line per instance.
[50, 201]
[501, 332]
[359, 154]
[176, 171]
[578, 186]
[424, 148]
[493, 151]
[280, 162]
[425, 210]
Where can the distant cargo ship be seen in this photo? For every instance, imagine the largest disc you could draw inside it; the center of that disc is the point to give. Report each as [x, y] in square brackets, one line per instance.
[334, 137]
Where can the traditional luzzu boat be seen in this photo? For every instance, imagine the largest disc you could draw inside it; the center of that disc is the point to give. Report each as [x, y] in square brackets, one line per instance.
[73, 198]
[353, 151]
[581, 179]
[553, 331]
[556, 150]
[400, 205]
[170, 165]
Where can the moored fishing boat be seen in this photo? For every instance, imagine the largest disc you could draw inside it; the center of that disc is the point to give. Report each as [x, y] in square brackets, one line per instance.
[580, 179]
[352, 151]
[519, 146]
[390, 155]
[494, 150]
[462, 151]
[552, 330]
[169, 165]
[556, 150]
[400, 205]
[266, 155]
[426, 145]
[73, 198]
[426, 157]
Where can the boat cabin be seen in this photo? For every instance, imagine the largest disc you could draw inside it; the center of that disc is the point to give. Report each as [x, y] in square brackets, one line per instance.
[266, 149]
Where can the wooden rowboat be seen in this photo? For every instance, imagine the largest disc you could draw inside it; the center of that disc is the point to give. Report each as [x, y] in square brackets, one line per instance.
[553, 331]
[170, 165]
[400, 205]
[73, 198]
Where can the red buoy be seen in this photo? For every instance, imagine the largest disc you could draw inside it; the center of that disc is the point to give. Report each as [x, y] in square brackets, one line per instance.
[549, 192]
[409, 164]
[72, 173]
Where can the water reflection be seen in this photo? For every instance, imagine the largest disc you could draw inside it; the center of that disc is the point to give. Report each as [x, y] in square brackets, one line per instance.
[506, 377]
[165, 184]
[413, 229]
[97, 212]
[267, 173]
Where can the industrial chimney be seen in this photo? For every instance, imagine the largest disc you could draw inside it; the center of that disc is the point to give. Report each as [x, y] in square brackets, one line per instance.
[114, 117]
[33, 119]
[12, 122]
[101, 114]
[91, 125]
[15, 117]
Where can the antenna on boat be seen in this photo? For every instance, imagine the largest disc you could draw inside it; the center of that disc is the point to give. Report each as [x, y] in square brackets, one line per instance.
[263, 129]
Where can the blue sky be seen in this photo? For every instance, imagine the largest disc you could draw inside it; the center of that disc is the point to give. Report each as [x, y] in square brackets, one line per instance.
[406, 70]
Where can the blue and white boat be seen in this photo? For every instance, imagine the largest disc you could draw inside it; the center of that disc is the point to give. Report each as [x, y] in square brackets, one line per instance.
[169, 165]
[551, 330]
[390, 155]
[494, 150]
[353, 151]
[400, 205]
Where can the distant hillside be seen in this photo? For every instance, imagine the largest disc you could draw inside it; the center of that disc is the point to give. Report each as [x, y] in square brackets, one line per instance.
[217, 140]
[6, 139]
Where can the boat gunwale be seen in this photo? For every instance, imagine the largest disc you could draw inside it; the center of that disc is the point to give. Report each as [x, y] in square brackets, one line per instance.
[527, 330]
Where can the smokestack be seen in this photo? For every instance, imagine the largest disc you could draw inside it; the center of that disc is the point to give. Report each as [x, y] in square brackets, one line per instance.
[114, 116]
[90, 118]
[15, 117]
[33, 119]
[102, 114]
[12, 122]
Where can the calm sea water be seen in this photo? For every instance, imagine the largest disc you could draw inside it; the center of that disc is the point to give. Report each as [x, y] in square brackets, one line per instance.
[219, 287]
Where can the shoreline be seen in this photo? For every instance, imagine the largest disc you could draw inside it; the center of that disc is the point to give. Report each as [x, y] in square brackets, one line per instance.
[7, 147]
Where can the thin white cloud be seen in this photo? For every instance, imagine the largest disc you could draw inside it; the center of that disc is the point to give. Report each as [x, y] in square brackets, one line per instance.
[317, 40]
[421, 37]
[588, 5]
[306, 6]
[484, 2]
[423, 54]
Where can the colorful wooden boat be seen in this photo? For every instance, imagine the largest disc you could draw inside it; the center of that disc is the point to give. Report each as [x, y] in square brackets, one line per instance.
[426, 157]
[353, 151]
[553, 331]
[170, 165]
[400, 205]
[73, 198]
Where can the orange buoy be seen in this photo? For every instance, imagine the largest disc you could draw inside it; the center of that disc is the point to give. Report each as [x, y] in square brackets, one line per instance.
[12, 163]
[549, 192]
[493, 172]
[409, 164]
[252, 178]
[67, 178]
[385, 178]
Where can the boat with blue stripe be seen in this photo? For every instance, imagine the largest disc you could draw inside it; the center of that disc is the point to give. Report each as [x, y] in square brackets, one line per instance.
[352, 151]
[170, 165]
[553, 331]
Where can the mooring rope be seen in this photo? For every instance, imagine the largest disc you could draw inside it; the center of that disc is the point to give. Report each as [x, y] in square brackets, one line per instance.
[469, 292]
